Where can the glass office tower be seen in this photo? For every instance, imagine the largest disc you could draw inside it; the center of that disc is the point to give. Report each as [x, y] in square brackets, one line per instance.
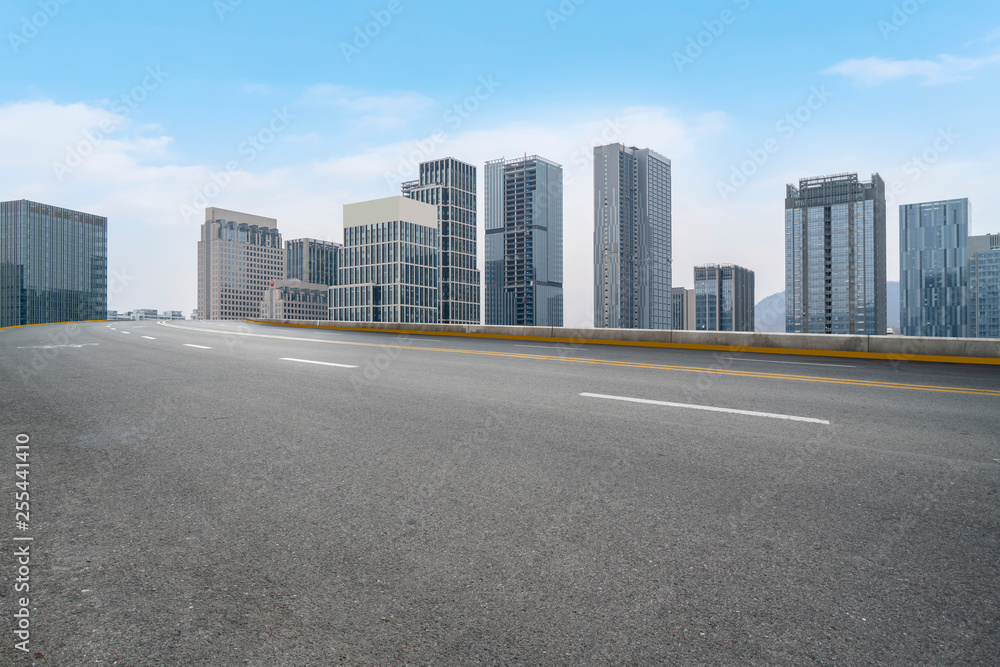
[389, 263]
[933, 269]
[53, 264]
[724, 298]
[524, 244]
[311, 261]
[835, 256]
[632, 228]
[451, 186]
[984, 286]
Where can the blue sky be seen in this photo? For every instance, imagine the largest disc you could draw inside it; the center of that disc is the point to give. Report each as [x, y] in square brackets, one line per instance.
[162, 96]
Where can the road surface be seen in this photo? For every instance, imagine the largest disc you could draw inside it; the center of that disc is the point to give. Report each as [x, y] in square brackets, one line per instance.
[241, 494]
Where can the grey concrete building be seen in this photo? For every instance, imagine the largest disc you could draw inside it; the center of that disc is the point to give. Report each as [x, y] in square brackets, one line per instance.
[450, 185]
[835, 256]
[934, 269]
[389, 263]
[53, 264]
[682, 318]
[311, 261]
[984, 286]
[293, 299]
[239, 256]
[632, 238]
[524, 242]
[724, 298]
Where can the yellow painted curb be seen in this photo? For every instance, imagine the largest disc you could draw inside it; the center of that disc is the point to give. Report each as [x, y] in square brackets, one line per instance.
[46, 324]
[880, 356]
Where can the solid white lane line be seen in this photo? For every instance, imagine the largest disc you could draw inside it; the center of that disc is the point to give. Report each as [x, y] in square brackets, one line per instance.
[149, 338]
[709, 408]
[794, 363]
[318, 363]
[200, 347]
[549, 347]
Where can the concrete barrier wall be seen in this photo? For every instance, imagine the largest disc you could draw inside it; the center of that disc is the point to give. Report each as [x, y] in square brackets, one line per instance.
[976, 350]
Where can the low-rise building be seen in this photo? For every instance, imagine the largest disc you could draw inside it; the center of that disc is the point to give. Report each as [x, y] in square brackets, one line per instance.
[294, 299]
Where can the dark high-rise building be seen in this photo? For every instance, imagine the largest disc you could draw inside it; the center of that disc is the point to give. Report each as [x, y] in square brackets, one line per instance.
[451, 186]
[984, 286]
[524, 242]
[835, 256]
[632, 245]
[312, 261]
[724, 298]
[53, 264]
[934, 269]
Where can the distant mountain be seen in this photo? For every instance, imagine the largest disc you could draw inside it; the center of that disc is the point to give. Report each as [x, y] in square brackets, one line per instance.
[770, 312]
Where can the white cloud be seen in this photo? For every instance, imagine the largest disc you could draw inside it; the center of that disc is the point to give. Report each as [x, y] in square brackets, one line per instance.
[311, 139]
[257, 89]
[988, 39]
[375, 112]
[945, 69]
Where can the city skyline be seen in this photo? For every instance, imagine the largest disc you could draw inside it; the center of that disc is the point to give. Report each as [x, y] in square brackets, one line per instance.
[302, 141]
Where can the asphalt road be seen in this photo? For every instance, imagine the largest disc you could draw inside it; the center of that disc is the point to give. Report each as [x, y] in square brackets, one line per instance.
[200, 493]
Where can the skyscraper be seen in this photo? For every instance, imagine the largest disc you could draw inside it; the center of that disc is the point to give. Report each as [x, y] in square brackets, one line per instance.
[53, 264]
[239, 255]
[524, 242]
[312, 261]
[684, 306]
[451, 186]
[632, 238]
[835, 256]
[389, 263]
[933, 269]
[724, 298]
[984, 286]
